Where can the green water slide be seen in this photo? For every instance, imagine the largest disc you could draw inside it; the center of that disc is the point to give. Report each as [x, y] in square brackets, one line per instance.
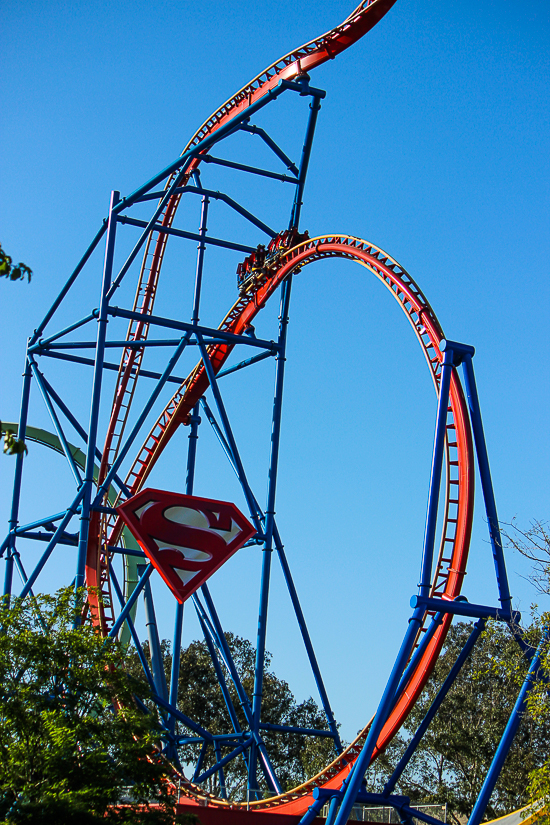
[52, 441]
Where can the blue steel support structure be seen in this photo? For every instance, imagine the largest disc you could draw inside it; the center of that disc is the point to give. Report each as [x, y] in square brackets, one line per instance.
[275, 439]
[292, 592]
[314, 108]
[508, 735]
[388, 697]
[9, 544]
[444, 689]
[267, 767]
[350, 793]
[486, 482]
[463, 354]
[191, 458]
[178, 619]
[154, 641]
[96, 392]
[56, 422]
[268, 528]
[244, 742]
[435, 481]
[255, 741]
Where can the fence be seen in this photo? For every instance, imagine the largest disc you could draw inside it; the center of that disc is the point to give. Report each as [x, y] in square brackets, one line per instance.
[388, 815]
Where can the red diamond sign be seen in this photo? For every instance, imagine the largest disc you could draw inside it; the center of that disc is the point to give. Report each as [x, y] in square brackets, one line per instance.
[186, 538]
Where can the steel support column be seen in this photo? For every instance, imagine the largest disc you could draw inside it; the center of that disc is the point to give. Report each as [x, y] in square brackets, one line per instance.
[70, 281]
[314, 108]
[300, 618]
[221, 777]
[435, 480]
[268, 527]
[141, 419]
[191, 458]
[96, 392]
[200, 259]
[178, 620]
[419, 652]
[444, 689]
[508, 735]
[291, 589]
[267, 767]
[18, 477]
[486, 482]
[157, 665]
[229, 433]
[364, 758]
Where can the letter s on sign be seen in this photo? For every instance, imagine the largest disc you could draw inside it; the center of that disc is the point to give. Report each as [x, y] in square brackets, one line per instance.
[186, 538]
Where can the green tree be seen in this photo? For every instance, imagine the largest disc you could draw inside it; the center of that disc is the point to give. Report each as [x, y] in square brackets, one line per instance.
[15, 272]
[534, 544]
[73, 744]
[452, 759]
[295, 757]
[538, 704]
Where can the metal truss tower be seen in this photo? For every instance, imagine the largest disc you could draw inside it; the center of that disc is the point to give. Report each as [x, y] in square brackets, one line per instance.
[117, 451]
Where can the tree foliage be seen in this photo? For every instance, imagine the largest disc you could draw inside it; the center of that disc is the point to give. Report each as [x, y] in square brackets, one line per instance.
[538, 704]
[455, 753]
[15, 272]
[295, 757]
[534, 544]
[12, 445]
[73, 745]
[67, 754]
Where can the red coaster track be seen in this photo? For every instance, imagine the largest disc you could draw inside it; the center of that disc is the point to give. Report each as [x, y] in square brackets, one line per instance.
[451, 565]
[453, 553]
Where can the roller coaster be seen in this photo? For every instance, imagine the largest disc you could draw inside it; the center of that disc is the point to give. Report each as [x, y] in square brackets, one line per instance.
[111, 477]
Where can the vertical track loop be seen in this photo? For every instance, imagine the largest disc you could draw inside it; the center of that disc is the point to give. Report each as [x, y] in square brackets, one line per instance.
[458, 508]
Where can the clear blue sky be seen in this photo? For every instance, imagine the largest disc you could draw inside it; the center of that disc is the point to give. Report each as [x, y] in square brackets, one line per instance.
[432, 143]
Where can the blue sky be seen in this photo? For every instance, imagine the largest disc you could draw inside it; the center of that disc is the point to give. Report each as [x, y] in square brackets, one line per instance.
[432, 143]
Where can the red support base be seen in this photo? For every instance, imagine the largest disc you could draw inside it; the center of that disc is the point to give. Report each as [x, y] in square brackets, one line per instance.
[214, 815]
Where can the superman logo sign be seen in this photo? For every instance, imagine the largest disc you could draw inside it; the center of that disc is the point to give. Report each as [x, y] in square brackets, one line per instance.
[186, 538]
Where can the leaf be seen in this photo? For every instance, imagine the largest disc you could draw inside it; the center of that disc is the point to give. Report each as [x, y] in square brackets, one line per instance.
[15, 273]
[13, 445]
[64, 757]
